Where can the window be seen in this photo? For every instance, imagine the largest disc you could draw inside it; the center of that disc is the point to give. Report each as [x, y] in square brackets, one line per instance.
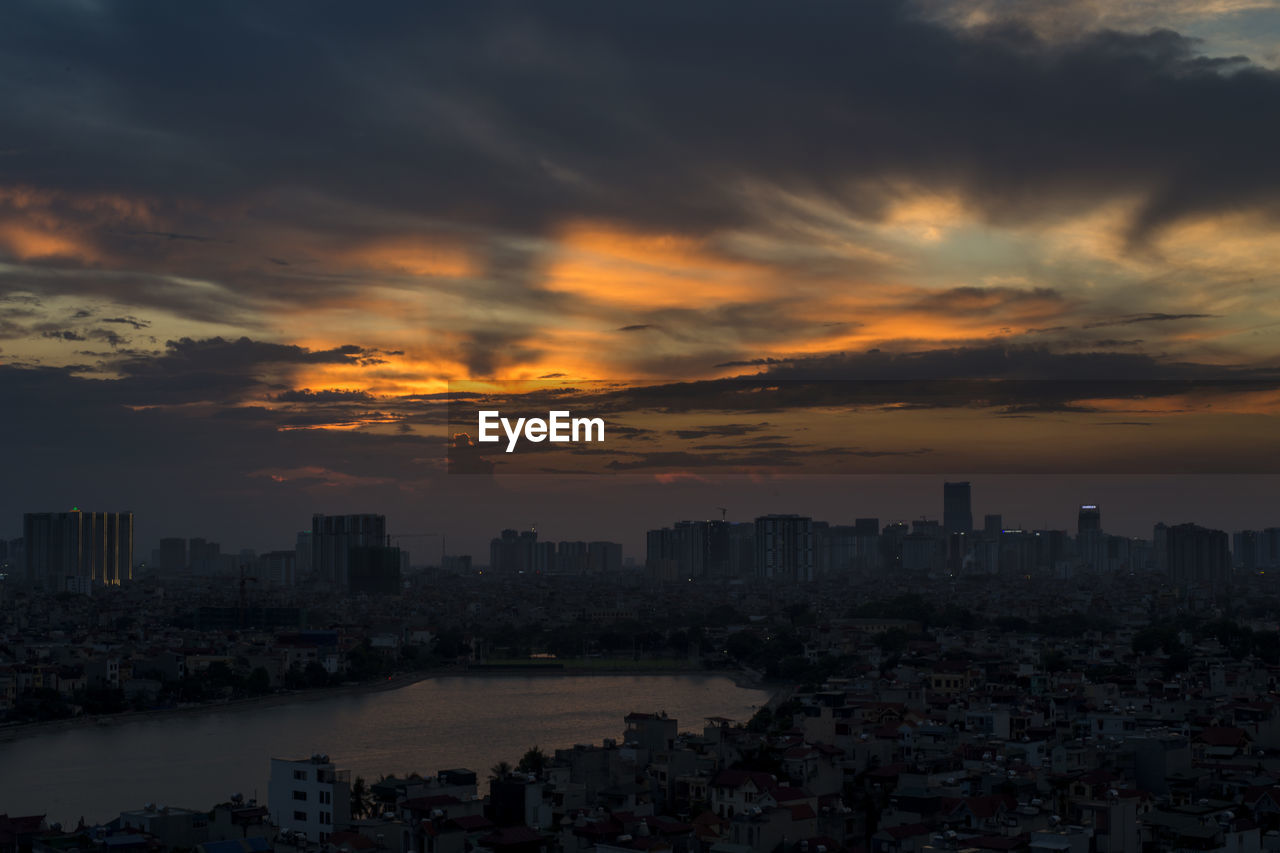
[300, 775]
[326, 818]
[300, 816]
[300, 796]
[326, 797]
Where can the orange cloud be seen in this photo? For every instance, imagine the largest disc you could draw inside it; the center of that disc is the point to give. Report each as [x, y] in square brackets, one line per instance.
[32, 244]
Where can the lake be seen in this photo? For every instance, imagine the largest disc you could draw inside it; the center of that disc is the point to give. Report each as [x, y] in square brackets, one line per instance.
[197, 760]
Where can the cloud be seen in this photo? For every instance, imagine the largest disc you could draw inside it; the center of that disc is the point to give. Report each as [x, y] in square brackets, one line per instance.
[63, 335]
[1154, 317]
[719, 430]
[458, 112]
[329, 395]
[126, 321]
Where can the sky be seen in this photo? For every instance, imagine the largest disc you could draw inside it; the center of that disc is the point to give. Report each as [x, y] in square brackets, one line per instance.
[246, 248]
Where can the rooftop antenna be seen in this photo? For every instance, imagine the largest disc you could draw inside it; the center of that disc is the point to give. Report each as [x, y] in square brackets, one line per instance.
[723, 512]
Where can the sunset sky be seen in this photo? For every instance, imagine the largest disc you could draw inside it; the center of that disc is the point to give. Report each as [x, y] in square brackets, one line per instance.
[244, 248]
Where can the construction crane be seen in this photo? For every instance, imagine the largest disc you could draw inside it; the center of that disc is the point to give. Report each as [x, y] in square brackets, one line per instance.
[397, 536]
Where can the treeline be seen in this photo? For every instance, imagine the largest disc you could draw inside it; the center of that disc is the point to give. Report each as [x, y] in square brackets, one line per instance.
[931, 615]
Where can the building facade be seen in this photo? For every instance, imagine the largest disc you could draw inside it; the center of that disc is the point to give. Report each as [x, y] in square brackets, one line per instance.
[75, 551]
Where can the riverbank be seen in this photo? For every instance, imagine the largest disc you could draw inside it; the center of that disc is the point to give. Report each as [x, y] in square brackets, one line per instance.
[741, 678]
[14, 731]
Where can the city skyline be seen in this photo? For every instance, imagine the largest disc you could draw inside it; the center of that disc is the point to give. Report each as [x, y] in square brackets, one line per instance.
[952, 512]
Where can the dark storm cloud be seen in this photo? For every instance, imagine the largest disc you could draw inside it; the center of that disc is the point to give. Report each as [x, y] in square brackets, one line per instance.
[997, 361]
[329, 395]
[523, 116]
[983, 300]
[63, 335]
[1132, 319]
[216, 369]
[1003, 378]
[127, 321]
[719, 430]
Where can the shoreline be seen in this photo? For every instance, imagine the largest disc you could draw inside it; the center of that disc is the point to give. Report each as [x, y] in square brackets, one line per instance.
[17, 731]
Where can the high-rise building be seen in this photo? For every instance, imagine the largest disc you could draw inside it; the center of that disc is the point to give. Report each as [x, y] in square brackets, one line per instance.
[516, 551]
[204, 557]
[333, 537]
[957, 509]
[891, 538]
[784, 548]
[866, 532]
[836, 547]
[689, 550]
[1244, 550]
[1089, 519]
[604, 557]
[1257, 549]
[570, 558]
[74, 551]
[302, 555]
[278, 568]
[1197, 556]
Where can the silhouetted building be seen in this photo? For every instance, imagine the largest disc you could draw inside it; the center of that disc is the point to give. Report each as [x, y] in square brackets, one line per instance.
[302, 554]
[784, 547]
[74, 551]
[1089, 519]
[1256, 549]
[513, 551]
[992, 524]
[957, 509]
[604, 557]
[869, 558]
[333, 537]
[279, 568]
[891, 544]
[689, 550]
[205, 557]
[836, 547]
[1196, 556]
[13, 558]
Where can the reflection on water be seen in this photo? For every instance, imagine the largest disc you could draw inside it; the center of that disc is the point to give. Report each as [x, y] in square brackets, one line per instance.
[200, 759]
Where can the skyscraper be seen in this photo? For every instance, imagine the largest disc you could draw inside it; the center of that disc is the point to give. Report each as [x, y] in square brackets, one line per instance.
[957, 509]
[74, 551]
[784, 547]
[333, 537]
[1197, 556]
[1089, 519]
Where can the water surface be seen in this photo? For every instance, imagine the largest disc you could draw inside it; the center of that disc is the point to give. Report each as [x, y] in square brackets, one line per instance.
[197, 760]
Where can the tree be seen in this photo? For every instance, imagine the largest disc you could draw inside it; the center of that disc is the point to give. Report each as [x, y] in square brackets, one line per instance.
[533, 761]
[361, 798]
[500, 771]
